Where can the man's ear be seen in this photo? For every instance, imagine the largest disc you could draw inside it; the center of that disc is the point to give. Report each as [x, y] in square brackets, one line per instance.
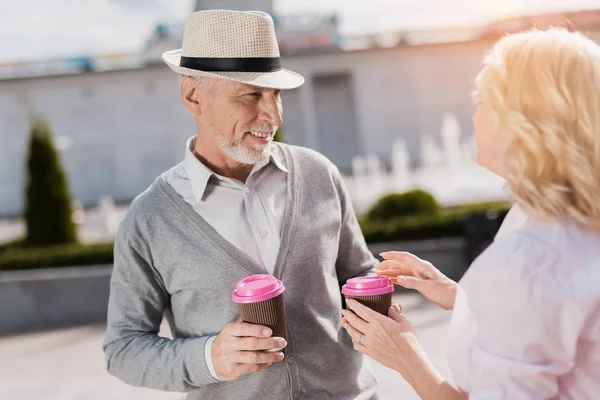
[191, 96]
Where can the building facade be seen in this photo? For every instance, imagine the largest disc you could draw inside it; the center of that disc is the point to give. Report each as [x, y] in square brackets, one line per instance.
[118, 128]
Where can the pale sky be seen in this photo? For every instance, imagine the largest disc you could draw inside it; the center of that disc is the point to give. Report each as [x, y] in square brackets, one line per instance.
[41, 29]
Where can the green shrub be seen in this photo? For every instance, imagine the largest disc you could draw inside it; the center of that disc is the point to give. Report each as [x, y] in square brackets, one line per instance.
[482, 206]
[56, 256]
[279, 135]
[448, 223]
[414, 202]
[48, 199]
[412, 228]
[13, 244]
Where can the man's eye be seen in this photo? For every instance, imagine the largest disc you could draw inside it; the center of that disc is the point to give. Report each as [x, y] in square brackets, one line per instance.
[256, 94]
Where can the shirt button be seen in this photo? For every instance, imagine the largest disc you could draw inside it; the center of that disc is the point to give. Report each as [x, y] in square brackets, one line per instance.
[247, 190]
[263, 234]
[292, 360]
[296, 395]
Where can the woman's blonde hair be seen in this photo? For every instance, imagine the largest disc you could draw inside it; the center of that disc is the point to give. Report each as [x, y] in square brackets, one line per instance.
[543, 90]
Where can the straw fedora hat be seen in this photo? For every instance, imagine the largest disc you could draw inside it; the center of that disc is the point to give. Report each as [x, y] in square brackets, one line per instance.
[236, 45]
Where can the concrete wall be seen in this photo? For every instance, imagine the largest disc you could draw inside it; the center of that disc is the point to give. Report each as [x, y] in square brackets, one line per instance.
[120, 130]
[40, 299]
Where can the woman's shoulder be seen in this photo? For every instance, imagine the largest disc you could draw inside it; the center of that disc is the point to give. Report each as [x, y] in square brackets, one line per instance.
[519, 255]
[552, 259]
[561, 233]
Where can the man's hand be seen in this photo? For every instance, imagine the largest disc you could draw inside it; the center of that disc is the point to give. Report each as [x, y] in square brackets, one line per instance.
[239, 350]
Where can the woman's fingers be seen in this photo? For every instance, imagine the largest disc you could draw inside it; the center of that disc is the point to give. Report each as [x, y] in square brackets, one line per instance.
[364, 312]
[399, 267]
[390, 273]
[397, 255]
[396, 307]
[395, 313]
[354, 320]
[354, 333]
[419, 269]
[409, 282]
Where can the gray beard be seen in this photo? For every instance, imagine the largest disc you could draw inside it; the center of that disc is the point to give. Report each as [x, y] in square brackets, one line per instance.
[242, 154]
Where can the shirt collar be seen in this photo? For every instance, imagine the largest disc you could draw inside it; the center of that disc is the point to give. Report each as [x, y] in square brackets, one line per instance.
[199, 174]
[277, 158]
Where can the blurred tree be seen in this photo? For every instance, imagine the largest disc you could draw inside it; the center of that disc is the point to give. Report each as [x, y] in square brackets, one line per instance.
[279, 135]
[48, 198]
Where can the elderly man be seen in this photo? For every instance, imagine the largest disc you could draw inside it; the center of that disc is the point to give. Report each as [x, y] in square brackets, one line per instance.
[237, 205]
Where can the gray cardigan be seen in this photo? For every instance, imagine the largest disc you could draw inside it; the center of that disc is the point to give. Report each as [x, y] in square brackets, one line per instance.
[169, 260]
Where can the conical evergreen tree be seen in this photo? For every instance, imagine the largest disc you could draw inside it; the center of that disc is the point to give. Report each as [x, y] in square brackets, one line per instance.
[48, 209]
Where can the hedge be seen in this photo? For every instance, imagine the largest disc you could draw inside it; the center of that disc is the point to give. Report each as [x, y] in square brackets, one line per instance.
[411, 203]
[16, 255]
[19, 258]
[448, 224]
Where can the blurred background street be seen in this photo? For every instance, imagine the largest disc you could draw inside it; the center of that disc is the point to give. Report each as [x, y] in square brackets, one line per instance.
[68, 364]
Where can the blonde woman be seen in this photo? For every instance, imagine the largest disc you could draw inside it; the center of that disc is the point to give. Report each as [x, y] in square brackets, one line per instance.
[526, 316]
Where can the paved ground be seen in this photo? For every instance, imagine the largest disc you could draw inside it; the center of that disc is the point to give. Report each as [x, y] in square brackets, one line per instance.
[68, 364]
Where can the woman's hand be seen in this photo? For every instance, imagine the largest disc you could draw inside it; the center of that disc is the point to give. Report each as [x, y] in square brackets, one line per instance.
[391, 341]
[409, 271]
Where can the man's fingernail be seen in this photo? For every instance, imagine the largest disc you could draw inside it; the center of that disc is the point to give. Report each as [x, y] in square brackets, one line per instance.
[267, 332]
[281, 342]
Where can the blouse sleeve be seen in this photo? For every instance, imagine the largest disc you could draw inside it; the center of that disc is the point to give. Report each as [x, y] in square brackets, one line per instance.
[527, 328]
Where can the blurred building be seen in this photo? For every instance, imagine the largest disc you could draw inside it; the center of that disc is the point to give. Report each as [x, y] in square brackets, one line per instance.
[118, 120]
[240, 5]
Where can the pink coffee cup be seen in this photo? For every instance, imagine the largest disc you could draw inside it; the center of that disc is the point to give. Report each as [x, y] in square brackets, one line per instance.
[260, 301]
[374, 292]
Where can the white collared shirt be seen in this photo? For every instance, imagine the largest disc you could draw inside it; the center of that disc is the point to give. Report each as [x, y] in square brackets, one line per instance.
[249, 216]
